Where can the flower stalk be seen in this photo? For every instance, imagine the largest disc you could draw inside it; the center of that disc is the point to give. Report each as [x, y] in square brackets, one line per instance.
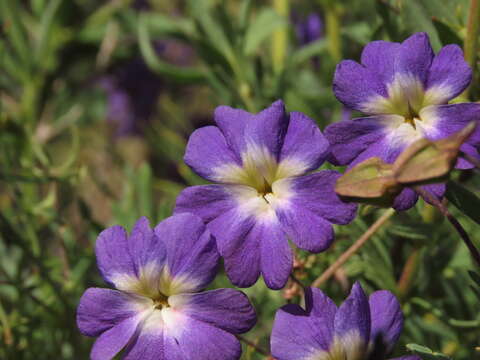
[456, 224]
[327, 274]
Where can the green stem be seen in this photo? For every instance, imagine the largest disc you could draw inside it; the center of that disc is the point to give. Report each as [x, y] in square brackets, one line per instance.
[471, 40]
[280, 37]
[354, 248]
[332, 24]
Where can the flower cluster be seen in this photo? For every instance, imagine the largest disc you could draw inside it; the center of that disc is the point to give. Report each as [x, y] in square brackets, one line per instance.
[266, 192]
[361, 328]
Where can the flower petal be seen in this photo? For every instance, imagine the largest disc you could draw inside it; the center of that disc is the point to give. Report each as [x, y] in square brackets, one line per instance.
[148, 254]
[232, 124]
[387, 318]
[353, 316]
[208, 154]
[415, 57]
[268, 128]
[358, 87]
[306, 229]
[350, 138]
[101, 309]
[192, 256]
[316, 192]
[450, 119]
[302, 334]
[405, 200]
[241, 250]
[201, 341]
[437, 190]
[227, 309]
[304, 147]
[322, 310]
[449, 75]
[112, 341]
[276, 254]
[146, 346]
[463, 163]
[113, 254]
[130, 263]
[206, 201]
[379, 57]
[294, 336]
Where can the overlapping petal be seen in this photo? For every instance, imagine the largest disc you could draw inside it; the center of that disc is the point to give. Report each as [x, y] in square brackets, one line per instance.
[227, 309]
[199, 340]
[349, 138]
[101, 309]
[129, 262]
[192, 256]
[268, 129]
[379, 56]
[209, 155]
[304, 147]
[358, 87]
[415, 57]
[386, 318]
[449, 75]
[113, 340]
[353, 316]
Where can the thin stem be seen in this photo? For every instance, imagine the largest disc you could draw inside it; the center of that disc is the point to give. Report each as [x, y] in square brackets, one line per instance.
[296, 280]
[456, 224]
[472, 160]
[280, 37]
[354, 248]
[471, 39]
[408, 273]
[253, 345]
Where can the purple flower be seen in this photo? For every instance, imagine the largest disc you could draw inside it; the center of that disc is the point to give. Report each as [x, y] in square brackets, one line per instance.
[265, 194]
[132, 93]
[156, 311]
[361, 328]
[404, 89]
[310, 29]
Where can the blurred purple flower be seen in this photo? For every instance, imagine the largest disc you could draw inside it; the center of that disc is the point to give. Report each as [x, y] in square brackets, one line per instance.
[141, 5]
[132, 92]
[157, 310]
[309, 29]
[361, 328]
[266, 193]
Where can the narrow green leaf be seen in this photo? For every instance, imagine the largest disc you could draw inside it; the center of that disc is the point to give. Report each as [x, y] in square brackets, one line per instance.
[465, 200]
[261, 28]
[180, 74]
[426, 353]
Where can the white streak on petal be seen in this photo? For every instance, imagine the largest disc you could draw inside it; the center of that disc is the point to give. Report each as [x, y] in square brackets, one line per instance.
[291, 167]
[405, 91]
[175, 322]
[438, 94]
[171, 285]
[429, 123]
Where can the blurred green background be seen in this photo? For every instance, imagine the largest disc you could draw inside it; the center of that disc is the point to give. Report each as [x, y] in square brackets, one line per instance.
[98, 99]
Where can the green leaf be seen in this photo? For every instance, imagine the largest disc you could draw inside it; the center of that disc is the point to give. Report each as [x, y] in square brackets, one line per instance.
[10, 14]
[426, 353]
[215, 33]
[315, 48]
[45, 31]
[465, 200]
[180, 74]
[261, 28]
